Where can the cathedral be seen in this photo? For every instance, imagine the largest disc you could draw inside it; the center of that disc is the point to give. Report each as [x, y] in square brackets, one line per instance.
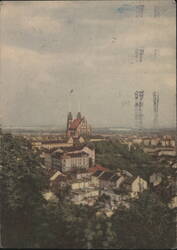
[77, 127]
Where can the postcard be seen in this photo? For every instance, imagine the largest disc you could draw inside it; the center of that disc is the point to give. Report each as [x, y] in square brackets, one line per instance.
[88, 143]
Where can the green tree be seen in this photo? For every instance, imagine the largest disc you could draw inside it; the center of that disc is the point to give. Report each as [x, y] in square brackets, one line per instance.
[22, 181]
[148, 223]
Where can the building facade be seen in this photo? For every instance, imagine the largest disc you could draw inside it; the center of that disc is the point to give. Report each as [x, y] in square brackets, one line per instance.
[82, 148]
[53, 144]
[69, 161]
[78, 126]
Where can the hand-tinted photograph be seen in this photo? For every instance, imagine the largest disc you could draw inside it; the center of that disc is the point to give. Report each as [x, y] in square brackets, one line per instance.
[88, 152]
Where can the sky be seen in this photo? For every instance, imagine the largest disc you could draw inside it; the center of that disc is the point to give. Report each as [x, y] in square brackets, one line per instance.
[85, 56]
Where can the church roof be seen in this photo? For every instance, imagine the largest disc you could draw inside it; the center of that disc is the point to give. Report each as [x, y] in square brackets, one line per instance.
[75, 123]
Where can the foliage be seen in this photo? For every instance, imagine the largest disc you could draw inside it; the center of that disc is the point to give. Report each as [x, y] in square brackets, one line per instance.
[30, 221]
[21, 181]
[148, 223]
[114, 155]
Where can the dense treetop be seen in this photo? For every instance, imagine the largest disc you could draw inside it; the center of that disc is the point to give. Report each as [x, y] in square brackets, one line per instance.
[28, 220]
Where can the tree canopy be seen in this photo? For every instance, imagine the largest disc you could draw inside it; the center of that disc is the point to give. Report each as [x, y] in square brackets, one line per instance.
[114, 155]
[30, 221]
[146, 224]
[21, 181]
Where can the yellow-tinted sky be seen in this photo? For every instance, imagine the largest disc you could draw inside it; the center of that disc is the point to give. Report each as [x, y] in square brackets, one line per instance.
[92, 47]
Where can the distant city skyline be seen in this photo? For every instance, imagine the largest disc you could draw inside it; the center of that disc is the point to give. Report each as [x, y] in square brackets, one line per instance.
[87, 56]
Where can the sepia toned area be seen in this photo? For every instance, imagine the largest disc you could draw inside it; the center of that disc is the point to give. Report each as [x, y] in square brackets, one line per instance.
[88, 124]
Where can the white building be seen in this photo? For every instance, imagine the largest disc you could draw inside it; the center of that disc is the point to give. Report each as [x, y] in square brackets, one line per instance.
[138, 186]
[155, 179]
[67, 161]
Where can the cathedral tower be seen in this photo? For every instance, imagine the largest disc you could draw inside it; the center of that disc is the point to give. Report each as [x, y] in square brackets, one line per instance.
[79, 116]
[69, 119]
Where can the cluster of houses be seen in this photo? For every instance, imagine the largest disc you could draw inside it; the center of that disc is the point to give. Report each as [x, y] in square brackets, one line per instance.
[99, 185]
[42, 143]
[154, 145]
[73, 172]
[88, 185]
[164, 141]
[150, 141]
[45, 142]
[69, 163]
[73, 168]
[78, 131]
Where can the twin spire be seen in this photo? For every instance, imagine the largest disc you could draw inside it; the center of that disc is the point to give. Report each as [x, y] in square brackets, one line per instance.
[77, 126]
[70, 116]
[79, 115]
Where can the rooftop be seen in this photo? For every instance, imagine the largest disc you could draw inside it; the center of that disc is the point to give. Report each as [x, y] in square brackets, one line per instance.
[98, 173]
[75, 148]
[54, 141]
[97, 167]
[106, 175]
[58, 173]
[129, 180]
[60, 178]
[75, 123]
[114, 177]
[75, 155]
[51, 171]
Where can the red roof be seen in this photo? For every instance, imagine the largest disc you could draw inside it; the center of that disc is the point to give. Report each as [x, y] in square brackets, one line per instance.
[75, 123]
[96, 168]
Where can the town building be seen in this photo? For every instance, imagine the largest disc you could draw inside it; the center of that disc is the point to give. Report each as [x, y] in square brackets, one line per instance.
[77, 127]
[155, 179]
[134, 186]
[109, 179]
[95, 178]
[137, 141]
[155, 142]
[47, 159]
[87, 196]
[67, 161]
[50, 196]
[116, 198]
[96, 168]
[174, 165]
[171, 153]
[173, 203]
[52, 144]
[51, 157]
[82, 174]
[146, 142]
[58, 181]
[80, 184]
[82, 148]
